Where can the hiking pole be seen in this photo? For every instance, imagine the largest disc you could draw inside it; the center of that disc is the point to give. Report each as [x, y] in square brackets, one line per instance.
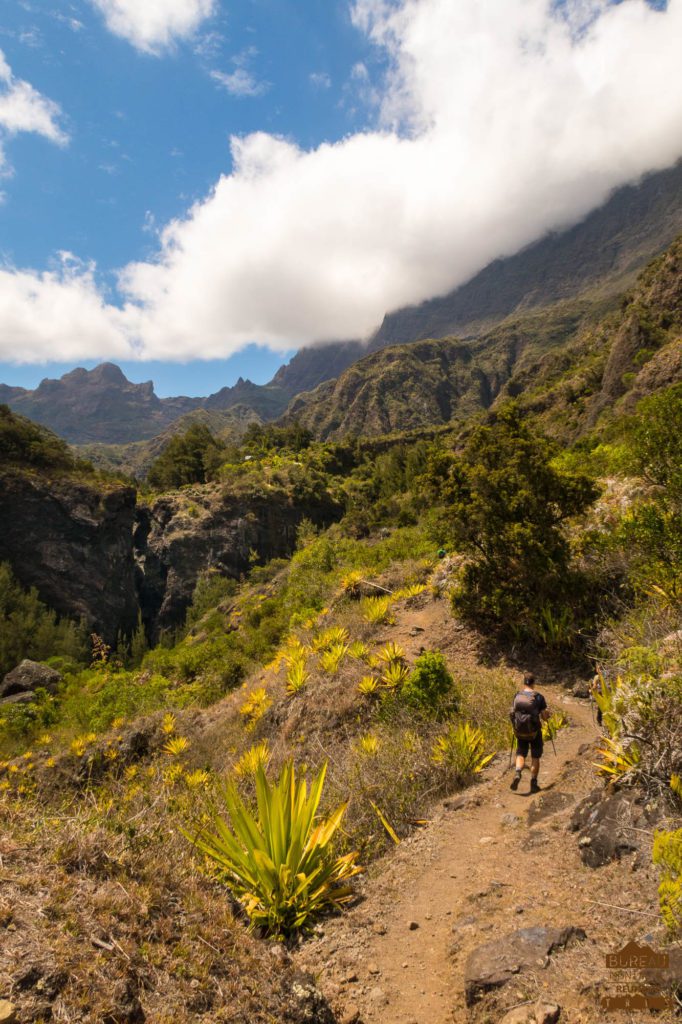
[511, 750]
[554, 748]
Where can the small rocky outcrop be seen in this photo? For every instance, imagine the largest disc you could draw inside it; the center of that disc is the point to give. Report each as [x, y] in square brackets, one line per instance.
[188, 532]
[493, 964]
[609, 825]
[73, 541]
[28, 677]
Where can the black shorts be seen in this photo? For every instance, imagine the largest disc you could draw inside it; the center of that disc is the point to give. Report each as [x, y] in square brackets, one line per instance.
[536, 746]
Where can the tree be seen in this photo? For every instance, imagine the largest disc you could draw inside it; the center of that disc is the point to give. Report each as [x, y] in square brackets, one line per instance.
[507, 507]
[185, 459]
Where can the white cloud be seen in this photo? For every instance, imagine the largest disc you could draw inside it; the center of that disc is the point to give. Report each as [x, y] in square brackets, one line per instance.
[320, 79]
[24, 109]
[154, 25]
[57, 315]
[240, 82]
[498, 123]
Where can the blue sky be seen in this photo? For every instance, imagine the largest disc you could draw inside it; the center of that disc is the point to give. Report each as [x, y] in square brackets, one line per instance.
[149, 136]
[230, 180]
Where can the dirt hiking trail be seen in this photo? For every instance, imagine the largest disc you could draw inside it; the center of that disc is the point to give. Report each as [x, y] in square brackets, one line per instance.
[491, 861]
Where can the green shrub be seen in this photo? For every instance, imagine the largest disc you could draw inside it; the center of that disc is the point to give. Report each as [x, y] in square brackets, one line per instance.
[430, 684]
[30, 630]
[507, 506]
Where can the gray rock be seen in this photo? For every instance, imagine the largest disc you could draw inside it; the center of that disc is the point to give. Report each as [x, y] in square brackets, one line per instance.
[493, 964]
[19, 698]
[27, 676]
[608, 825]
[510, 820]
[581, 689]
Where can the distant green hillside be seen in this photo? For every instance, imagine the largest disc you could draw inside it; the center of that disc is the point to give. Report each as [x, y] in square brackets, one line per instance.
[572, 362]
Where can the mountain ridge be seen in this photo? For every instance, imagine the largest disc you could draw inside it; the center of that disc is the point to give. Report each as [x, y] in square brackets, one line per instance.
[598, 257]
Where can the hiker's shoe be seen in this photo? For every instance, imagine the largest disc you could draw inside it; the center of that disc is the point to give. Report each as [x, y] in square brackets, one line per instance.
[515, 781]
[534, 787]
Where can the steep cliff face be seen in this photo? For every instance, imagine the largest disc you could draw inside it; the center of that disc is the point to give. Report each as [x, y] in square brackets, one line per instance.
[185, 533]
[73, 542]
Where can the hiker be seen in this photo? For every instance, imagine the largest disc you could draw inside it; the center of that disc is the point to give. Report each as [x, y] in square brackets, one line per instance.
[528, 712]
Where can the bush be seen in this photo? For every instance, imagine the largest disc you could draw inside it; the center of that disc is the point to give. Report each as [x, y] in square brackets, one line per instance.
[430, 684]
[507, 506]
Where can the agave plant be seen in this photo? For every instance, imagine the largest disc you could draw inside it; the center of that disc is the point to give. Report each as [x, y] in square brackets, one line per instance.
[278, 862]
[369, 686]
[617, 760]
[392, 654]
[551, 727]
[605, 697]
[369, 744]
[351, 584]
[394, 675]
[462, 750]
[257, 756]
[377, 610]
[176, 746]
[330, 660]
[297, 676]
[255, 706]
[412, 590]
[331, 637]
[359, 651]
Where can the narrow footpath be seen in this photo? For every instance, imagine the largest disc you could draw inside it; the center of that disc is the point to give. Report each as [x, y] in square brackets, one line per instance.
[490, 862]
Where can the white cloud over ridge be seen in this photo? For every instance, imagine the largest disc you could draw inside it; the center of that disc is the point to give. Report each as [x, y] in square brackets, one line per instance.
[154, 25]
[24, 109]
[498, 123]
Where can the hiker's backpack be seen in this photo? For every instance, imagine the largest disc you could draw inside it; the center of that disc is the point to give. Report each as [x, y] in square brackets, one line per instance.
[525, 716]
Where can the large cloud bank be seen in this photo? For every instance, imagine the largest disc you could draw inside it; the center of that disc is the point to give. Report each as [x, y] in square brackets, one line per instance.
[499, 121]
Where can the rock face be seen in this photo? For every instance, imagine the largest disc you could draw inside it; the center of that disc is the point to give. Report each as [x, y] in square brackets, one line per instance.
[73, 542]
[495, 963]
[608, 824]
[185, 533]
[28, 677]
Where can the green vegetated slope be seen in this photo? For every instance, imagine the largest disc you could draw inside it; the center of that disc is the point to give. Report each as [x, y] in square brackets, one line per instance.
[135, 459]
[387, 647]
[576, 361]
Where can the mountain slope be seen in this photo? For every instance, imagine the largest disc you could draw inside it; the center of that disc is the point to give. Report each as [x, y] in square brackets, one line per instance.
[428, 383]
[603, 251]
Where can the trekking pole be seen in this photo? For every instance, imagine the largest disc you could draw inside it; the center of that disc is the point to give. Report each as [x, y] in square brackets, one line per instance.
[554, 748]
[511, 750]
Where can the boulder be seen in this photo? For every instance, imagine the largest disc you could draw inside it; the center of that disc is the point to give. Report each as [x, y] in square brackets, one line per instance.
[30, 675]
[608, 824]
[581, 689]
[19, 698]
[493, 964]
